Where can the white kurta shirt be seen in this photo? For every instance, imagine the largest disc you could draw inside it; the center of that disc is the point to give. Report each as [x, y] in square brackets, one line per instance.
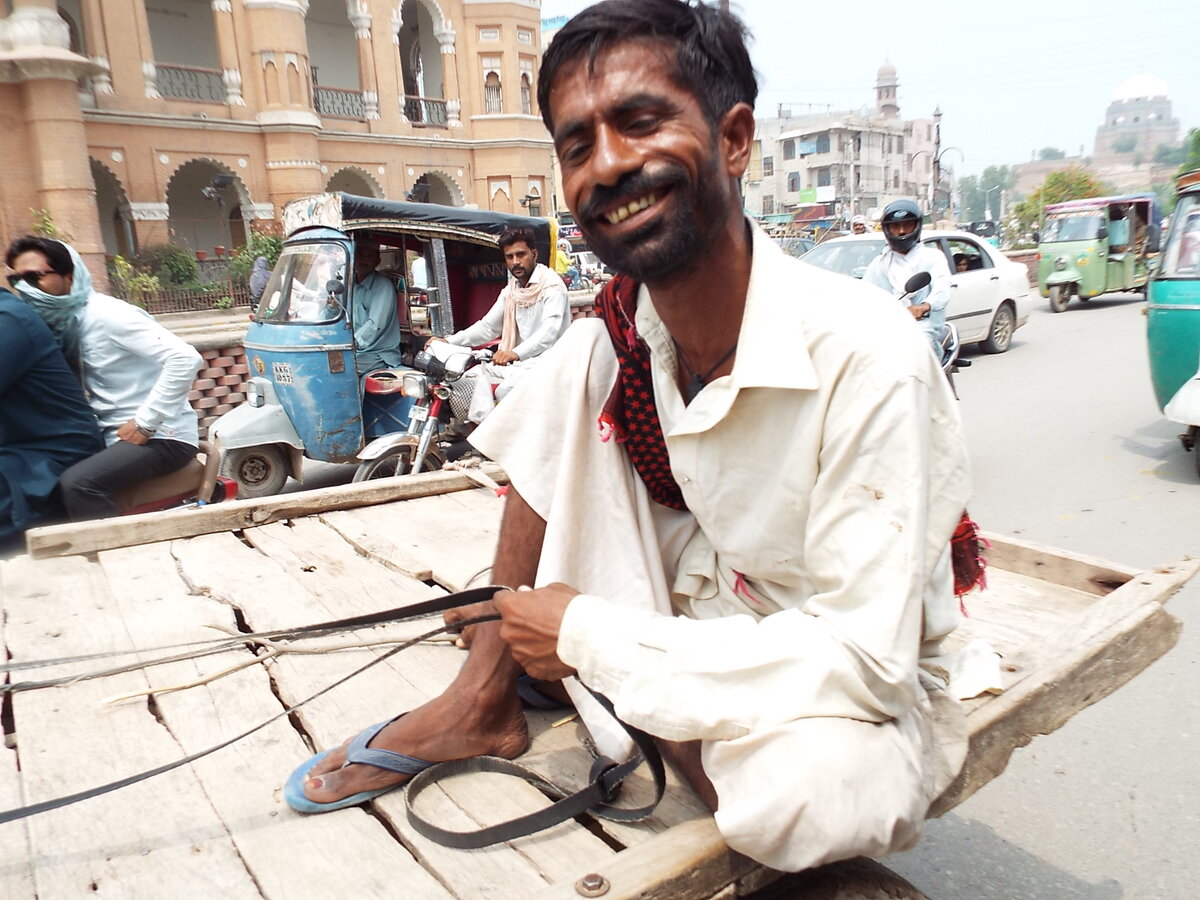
[538, 325]
[134, 368]
[891, 270]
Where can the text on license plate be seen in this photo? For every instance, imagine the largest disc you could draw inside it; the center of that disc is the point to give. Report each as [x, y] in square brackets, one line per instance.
[420, 413]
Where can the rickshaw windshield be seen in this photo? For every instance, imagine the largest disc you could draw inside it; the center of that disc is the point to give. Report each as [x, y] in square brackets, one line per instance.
[1181, 256]
[1073, 226]
[298, 292]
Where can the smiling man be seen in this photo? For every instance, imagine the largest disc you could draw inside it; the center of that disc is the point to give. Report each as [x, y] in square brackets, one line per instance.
[733, 492]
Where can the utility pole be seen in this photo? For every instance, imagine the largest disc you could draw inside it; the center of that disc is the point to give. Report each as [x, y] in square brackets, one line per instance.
[937, 159]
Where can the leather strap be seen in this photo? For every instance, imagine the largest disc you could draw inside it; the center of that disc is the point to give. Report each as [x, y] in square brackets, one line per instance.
[604, 784]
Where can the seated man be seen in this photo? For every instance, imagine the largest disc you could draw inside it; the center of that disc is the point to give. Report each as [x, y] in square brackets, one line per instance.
[529, 316]
[137, 375]
[46, 424]
[373, 302]
[754, 570]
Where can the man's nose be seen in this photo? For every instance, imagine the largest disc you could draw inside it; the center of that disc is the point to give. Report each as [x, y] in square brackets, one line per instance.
[613, 156]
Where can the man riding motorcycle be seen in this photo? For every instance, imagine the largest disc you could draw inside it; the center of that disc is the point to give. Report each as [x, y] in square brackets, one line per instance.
[903, 257]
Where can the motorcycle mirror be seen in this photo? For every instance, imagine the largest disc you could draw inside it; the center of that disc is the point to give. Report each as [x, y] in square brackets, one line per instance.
[917, 282]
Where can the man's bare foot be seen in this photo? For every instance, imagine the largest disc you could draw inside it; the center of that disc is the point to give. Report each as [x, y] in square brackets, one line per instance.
[461, 614]
[499, 730]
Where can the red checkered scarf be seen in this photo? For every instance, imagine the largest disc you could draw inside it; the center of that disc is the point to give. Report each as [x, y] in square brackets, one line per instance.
[631, 416]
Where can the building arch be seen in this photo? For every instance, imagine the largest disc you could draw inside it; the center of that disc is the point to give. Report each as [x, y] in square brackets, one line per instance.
[355, 180]
[421, 26]
[114, 211]
[434, 186]
[206, 201]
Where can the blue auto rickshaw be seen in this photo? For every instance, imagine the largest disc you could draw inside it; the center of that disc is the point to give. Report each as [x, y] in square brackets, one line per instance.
[304, 397]
[1173, 316]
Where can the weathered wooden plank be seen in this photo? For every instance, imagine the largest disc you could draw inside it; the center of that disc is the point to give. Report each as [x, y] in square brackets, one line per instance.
[1114, 640]
[453, 536]
[104, 534]
[144, 840]
[287, 854]
[342, 584]
[16, 870]
[1086, 573]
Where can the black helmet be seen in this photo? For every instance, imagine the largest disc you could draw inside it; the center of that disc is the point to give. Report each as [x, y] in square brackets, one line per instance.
[901, 211]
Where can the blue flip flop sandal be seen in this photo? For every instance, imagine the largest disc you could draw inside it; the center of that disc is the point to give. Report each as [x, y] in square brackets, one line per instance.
[356, 752]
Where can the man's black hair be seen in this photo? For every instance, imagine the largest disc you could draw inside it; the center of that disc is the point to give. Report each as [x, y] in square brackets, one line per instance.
[510, 236]
[711, 59]
[55, 252]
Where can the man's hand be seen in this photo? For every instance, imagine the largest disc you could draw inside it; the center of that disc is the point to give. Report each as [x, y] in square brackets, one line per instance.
[505, 357]
[131, 433]
[920, 310]
[530, 621]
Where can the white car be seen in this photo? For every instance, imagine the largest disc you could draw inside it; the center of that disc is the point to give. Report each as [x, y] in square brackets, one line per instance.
[988, 301]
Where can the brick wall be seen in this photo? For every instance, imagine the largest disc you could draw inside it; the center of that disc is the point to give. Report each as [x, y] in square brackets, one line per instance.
[219, 384]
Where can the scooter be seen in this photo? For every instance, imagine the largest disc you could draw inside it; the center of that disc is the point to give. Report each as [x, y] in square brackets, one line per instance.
[948, 341]
[196, 484]
[437, 422]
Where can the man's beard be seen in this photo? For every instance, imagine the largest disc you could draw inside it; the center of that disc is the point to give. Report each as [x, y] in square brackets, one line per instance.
[666, 246]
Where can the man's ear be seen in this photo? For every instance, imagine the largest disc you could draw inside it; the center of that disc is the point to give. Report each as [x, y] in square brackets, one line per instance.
[735, 139]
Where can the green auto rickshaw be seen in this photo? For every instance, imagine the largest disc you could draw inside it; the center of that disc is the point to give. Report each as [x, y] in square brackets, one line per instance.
[1173, 316]
[1089, 247]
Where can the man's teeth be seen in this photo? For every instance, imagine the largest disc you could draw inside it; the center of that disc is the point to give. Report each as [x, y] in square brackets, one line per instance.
[621, 213]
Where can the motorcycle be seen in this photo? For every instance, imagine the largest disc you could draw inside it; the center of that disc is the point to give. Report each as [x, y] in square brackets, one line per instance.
[438, 425]
[948, 340]
[196, 484]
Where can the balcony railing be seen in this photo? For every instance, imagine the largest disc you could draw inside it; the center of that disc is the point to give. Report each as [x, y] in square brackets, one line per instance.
[425, 111]
[340, 103]
[191, 83]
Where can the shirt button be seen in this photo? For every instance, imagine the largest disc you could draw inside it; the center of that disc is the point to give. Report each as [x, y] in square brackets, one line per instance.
[685, 480]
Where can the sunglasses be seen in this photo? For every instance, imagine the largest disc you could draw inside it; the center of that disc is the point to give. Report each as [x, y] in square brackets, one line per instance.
[30, 278]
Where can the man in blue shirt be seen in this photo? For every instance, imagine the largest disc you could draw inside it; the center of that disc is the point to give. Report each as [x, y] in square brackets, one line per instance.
[376, 326]
[46, 424]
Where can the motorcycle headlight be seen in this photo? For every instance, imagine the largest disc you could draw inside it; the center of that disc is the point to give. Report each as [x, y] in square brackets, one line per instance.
[415, 385]
[1060, 263]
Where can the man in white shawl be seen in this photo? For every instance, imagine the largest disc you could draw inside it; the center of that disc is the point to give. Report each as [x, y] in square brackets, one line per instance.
[530, 315]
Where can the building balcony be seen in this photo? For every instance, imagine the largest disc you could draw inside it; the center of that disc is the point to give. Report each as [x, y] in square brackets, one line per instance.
[190, 83]
[338, 103]
[425, 112]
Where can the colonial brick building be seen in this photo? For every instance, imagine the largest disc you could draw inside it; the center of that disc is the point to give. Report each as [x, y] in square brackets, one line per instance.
[137, 122]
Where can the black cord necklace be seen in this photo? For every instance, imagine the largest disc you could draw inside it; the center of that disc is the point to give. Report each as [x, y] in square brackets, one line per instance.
[696, 382]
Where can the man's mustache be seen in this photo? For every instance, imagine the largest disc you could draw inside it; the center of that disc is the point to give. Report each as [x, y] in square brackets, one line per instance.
[631, 187]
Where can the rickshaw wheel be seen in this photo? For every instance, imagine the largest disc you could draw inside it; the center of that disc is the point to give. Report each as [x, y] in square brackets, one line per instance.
[258, 471]
[1059, 296]
[395, 460]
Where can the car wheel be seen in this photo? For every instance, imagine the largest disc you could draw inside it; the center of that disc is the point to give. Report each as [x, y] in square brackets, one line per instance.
[1059, 295]
[258, 471]
[1000, 335]
[396, 461]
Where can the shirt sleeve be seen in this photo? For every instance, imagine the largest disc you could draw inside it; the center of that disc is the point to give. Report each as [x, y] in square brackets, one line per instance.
[486, 329]
[850, 648]
[555, 312]
[939, 287]
[138, 334]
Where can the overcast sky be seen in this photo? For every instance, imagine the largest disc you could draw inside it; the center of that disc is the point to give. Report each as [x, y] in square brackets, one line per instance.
[1010, 77]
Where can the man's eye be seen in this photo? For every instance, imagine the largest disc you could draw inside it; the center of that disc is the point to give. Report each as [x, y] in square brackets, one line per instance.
[573, 152]
[642, 124]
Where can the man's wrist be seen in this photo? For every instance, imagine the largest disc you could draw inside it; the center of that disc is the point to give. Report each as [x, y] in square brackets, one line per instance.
[144, 430]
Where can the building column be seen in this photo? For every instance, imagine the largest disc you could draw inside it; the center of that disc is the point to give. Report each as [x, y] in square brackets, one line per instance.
[360, 18]
[97, 45]
[63, 183]
[231, 70]
[453, 96]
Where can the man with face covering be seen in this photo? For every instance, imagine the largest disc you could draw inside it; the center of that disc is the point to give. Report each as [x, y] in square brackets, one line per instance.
[732, 494]
[137, 375]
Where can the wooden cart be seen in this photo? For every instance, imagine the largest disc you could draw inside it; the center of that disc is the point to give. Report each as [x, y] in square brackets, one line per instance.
[1070, 629]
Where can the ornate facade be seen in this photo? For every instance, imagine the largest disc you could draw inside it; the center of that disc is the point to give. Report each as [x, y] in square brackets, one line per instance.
[134, 123]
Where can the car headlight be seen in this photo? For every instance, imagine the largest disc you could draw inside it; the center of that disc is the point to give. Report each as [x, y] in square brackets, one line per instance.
[1060, 263]
[415, 385]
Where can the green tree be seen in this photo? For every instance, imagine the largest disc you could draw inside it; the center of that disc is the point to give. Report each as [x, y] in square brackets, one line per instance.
[1051, 153]
[258, 244]
[972, 199]
[1168, 155]
[994, 181]
[1071, 183]
[1191, 152]
[1126, 143]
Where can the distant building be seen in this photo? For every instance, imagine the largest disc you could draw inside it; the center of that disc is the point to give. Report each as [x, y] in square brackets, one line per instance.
[825, 167]
[1138, 120]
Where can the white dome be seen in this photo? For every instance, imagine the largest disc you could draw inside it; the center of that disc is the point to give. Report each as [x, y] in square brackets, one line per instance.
[1140, 85]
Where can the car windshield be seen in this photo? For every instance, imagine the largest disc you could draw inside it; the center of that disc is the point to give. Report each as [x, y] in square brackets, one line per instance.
[1181, 255]
[846, 257]
[1074, 226]
[298, 292]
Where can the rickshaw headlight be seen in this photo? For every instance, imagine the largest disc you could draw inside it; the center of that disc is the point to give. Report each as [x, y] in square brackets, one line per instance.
[1081, 259]
[254, 396]
[1060, 263]
[415, 385]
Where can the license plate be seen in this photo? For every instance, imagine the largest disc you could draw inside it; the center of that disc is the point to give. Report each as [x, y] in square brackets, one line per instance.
[420, 413]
